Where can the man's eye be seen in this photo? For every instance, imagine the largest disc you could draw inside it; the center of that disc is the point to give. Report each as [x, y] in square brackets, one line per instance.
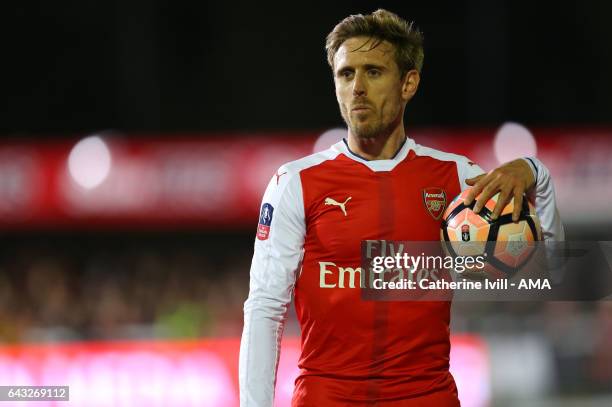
[346, 74]
[374, 72]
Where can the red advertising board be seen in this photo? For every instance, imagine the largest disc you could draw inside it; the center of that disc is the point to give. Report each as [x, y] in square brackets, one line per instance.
[112, 181]
[184, 373]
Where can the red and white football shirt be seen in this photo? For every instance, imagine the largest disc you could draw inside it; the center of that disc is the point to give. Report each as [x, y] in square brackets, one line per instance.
[313, 219]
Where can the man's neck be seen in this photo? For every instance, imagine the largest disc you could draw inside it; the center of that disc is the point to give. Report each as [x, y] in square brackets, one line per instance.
[378, 148]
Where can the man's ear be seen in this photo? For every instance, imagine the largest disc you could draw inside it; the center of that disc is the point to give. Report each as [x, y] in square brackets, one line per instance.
[410, 84]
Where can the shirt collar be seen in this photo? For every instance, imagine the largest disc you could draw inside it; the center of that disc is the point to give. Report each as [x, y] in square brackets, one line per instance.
[377, 165]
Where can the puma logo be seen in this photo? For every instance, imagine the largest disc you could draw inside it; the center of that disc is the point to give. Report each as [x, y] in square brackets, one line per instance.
[331, 201]
[279, 175]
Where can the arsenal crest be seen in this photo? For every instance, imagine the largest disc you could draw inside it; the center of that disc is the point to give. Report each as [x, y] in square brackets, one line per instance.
[435, 201]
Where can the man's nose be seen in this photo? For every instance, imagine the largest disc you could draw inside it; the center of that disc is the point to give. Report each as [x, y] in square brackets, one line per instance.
[359, 86]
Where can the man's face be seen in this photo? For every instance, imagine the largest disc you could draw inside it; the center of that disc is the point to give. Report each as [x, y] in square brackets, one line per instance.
[370, 91]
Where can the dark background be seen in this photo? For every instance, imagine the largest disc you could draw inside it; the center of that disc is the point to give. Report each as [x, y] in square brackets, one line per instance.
[159, 65]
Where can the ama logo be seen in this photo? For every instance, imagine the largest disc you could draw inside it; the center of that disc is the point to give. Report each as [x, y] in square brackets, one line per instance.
[265, 219]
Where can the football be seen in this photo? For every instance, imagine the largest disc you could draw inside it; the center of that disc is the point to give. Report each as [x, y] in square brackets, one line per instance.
[506, 245]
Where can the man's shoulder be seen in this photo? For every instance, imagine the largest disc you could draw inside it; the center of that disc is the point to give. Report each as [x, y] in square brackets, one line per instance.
[287, 179]
[296, 166]
[423, 151]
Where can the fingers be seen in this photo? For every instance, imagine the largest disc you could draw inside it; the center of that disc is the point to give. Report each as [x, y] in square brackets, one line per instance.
[518, 204]
[478, 183]
[502, 201]
[509, 180]
[486, 194]
[474, 180]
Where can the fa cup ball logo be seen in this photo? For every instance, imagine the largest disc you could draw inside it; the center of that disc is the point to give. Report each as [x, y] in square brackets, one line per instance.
[465, 233]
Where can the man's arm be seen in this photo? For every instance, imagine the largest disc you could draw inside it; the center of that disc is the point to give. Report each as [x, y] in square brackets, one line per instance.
[276, 260]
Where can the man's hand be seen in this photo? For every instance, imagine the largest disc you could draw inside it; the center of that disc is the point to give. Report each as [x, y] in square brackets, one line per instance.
[512, 179]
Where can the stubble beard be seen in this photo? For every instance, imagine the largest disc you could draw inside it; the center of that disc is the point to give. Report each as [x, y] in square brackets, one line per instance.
[369, 130]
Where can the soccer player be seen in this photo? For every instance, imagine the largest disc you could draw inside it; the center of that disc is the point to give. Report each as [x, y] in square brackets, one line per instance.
[318, 209]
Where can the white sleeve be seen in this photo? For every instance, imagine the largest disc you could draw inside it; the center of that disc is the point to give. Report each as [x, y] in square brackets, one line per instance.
[543, 197]
[276, 261]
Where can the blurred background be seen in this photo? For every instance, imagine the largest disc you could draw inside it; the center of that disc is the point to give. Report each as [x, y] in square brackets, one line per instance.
[137, 137]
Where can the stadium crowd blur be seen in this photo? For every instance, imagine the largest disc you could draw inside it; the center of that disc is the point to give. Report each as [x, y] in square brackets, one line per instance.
[134, 291]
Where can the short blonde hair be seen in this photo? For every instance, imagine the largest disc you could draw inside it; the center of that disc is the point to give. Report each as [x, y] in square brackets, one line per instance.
[381, 25]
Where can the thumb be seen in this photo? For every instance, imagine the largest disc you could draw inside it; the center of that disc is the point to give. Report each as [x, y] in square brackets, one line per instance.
[472, 181]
